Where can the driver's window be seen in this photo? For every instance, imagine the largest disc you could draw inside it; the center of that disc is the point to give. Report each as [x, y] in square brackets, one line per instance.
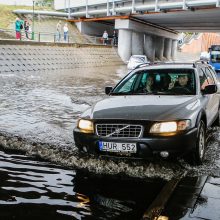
[203, 79]
[210, 77]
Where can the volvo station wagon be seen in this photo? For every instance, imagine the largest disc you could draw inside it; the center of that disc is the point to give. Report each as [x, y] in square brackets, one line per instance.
[160, 109]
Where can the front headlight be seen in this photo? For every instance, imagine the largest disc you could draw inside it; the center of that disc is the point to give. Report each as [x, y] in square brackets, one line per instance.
[169, 127]
[85, 126]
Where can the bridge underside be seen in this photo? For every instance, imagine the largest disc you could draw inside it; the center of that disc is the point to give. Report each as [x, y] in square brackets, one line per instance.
[203, 20]
[194, 20]
[155, 33]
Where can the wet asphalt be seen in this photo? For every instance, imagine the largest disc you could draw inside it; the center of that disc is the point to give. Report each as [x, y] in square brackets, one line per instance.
[41, 174]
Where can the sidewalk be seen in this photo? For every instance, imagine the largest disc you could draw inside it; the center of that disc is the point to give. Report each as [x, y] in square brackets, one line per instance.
[195, 198]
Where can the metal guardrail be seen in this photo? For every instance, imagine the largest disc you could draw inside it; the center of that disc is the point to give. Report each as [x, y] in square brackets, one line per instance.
[118, 7]
[113, 7]
[54, 37]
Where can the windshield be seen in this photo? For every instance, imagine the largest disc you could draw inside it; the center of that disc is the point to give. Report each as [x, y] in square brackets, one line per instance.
[158, 81]
[215, 56]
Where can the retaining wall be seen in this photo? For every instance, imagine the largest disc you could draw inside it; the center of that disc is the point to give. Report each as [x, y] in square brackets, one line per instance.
[31, 56]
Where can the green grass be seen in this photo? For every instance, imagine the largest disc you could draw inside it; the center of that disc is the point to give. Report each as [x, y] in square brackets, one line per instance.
[7, 16]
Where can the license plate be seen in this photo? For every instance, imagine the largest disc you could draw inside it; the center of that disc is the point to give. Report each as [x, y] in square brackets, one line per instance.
[117, 147]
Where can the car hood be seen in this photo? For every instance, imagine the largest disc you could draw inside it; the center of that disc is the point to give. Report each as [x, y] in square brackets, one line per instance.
[143, 107]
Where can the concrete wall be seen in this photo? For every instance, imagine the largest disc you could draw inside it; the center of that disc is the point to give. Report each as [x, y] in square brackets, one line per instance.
[16, 57]
[94, 28]
[136, 38]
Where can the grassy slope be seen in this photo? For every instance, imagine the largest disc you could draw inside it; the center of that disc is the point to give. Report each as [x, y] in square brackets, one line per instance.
[7, 16]
[7, 19]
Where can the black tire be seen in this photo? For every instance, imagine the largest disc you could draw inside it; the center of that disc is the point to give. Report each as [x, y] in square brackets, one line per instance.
[197, 155]
[217, 120]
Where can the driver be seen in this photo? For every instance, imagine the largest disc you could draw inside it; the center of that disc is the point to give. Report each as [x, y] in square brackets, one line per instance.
[183, 80]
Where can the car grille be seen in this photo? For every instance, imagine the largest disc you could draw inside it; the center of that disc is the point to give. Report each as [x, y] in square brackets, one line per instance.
[119, 130]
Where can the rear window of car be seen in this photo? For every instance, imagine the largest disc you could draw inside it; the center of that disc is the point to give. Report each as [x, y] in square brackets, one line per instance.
[158, 81]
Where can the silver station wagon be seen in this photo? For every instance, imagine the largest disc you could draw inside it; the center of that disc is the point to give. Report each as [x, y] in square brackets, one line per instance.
[157, 109]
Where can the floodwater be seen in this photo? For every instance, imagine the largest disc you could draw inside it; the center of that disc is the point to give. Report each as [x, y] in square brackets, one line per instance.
[38, 111]
[32, 188]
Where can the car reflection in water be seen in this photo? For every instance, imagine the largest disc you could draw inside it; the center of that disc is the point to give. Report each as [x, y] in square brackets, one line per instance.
[117, 197]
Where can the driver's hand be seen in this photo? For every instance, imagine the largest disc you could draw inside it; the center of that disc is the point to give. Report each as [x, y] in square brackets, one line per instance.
[171, 85]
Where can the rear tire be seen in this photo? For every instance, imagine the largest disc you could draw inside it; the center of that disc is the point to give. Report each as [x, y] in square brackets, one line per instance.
[197, 155]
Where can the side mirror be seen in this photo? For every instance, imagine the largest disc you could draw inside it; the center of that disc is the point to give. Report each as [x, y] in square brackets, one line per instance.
[108, 89]
[210, 89]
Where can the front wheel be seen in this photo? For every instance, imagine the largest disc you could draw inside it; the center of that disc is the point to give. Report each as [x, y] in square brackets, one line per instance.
[199, 151]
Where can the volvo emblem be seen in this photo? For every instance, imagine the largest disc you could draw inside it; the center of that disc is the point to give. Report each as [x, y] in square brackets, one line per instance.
[117, 131]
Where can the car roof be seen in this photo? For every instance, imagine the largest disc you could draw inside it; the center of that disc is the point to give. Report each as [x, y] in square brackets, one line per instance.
[170, 65]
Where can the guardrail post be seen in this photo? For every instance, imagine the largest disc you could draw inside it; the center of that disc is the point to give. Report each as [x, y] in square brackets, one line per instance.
[39, 36]
[107, 7]
[68, 37]
[69, 13]
[87, 9]
[20, 35]
[54, 38]
[184, 5]
[113, 8]
[133, 7]
[156, 6]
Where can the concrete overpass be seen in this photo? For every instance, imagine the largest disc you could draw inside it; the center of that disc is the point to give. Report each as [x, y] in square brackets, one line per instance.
[179, 15]
[145, 27]
[148, 27]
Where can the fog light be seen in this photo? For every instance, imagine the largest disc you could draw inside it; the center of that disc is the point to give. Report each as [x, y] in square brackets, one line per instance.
[85, 149]
[164, 154]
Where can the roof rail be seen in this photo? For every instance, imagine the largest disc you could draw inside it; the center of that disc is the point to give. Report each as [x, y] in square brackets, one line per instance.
[200, 62]
[142, 65]
[151, 63]
[167, 62]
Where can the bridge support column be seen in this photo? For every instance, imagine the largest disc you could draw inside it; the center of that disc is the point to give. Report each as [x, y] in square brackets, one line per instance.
[137, 47]
[124, 44]
[174, 48]
[167, 48]
[159, 47]
[149, 47]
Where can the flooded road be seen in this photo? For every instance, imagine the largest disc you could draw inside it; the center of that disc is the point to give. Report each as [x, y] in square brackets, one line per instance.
[35, 188]
[45, 105]
[38, 111]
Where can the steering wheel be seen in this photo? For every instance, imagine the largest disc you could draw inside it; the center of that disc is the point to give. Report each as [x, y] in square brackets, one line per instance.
[180, 90]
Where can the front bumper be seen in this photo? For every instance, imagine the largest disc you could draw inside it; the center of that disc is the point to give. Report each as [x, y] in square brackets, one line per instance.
[147, 147]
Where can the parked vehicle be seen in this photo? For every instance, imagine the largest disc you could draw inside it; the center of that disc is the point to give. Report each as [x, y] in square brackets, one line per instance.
[136, 60]
[213, 57]
[156, 109]
[214, 51]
